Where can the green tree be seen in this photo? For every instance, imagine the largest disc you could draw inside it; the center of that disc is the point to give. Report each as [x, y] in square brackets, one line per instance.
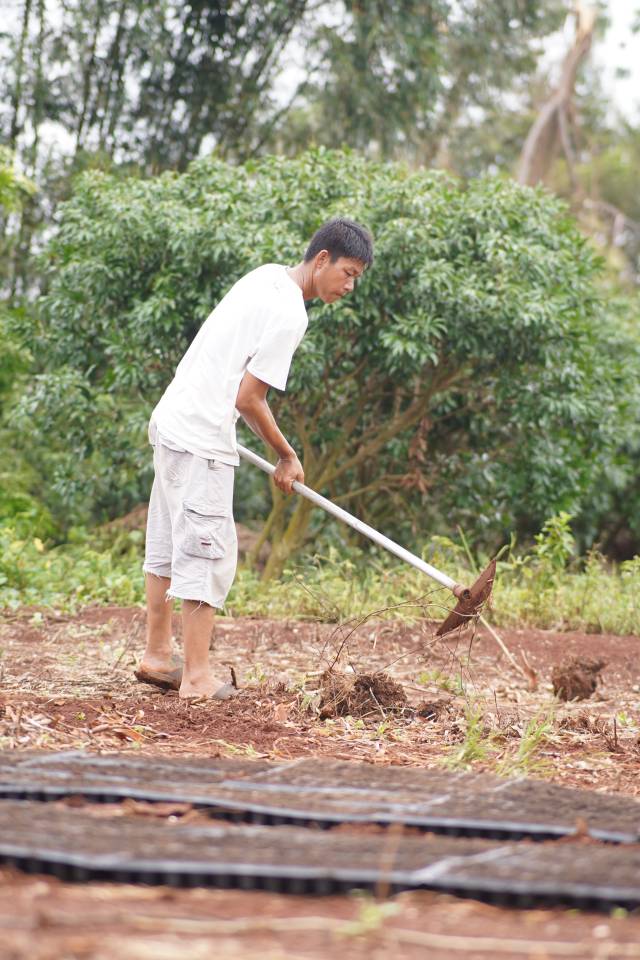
[14, 186]
[474, 376]
[144, 81]
[133, 83]
[17, 506]
[15, 189]
[397, 79]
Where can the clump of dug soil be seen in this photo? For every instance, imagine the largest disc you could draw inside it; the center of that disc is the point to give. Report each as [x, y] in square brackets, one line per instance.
[576, 679]
[359, 695]
[433, 709]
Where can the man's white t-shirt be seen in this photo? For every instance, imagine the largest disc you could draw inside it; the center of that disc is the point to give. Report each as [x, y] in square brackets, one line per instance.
[257, 327]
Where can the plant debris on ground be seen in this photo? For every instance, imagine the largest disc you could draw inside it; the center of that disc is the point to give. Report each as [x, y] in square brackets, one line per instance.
[66, 683]
[394, 696]
[360, 695]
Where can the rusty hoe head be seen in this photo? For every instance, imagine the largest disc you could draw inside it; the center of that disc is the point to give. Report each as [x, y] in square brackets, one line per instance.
[470, 601]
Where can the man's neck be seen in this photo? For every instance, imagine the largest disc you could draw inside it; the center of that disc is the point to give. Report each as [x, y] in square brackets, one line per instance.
[302, 274]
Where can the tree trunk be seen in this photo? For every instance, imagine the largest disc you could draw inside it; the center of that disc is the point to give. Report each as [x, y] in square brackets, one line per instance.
[17, 90]
[114, 66]
[328, 469]
[293, 538]
[273, 527]
[38, 98]
[549, 132]
[165, 141]
[120, 93]
[29, 212]
[87, 75]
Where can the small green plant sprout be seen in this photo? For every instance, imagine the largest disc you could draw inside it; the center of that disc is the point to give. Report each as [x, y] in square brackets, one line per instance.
[624, 720]
[619, 913]
[630, 569]
[308, 702]
[555, 544]
[371, 916]
[299, 683]
[439, 679]
[234, 750]
[525, 760]
[381, 729]
[351, 726]
[630, 577]
[478, 744]
[255, 674]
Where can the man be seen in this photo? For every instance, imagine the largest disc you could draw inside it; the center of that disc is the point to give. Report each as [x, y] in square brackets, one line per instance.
[243, 348]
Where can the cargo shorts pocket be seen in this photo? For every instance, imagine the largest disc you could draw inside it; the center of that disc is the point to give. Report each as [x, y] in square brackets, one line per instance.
[176, 466]
[203, 531]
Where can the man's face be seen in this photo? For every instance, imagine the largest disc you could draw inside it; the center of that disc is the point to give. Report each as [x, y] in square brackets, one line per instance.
[334, 280]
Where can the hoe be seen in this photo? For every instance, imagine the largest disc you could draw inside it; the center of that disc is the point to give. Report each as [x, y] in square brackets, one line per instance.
[470, 599]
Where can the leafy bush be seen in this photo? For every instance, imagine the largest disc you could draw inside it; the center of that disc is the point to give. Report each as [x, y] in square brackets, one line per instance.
[66, 577]
[19, 507]
[474, 376]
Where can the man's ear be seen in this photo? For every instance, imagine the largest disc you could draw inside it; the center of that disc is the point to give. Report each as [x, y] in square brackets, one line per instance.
[322, 259]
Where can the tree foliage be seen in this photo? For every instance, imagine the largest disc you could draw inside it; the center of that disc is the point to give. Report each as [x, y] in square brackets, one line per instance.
[144, 81]
[134, 83]
[475, 375]
[14, 186]
[396, 79]
[15, 362]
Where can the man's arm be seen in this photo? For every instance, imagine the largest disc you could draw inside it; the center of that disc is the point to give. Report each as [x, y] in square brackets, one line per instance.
[251, 404]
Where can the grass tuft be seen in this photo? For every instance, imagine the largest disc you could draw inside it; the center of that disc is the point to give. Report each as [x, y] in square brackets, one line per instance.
[526, 759]
[479, 744]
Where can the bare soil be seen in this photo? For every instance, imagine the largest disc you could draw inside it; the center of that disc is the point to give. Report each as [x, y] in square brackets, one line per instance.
[45, 919]
[67, 683]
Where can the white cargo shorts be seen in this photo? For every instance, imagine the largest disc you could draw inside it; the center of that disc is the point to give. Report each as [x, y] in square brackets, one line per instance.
[191, 534]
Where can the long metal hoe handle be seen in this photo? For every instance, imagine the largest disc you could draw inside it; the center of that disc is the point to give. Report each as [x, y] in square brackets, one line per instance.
[358, 525]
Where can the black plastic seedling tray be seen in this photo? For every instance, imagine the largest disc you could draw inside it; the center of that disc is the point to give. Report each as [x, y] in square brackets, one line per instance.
[74, 845]
[328, 793]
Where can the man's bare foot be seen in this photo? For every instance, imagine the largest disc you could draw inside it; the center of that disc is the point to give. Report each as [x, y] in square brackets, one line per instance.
[164, 672]
[159, 664]
[205, 685]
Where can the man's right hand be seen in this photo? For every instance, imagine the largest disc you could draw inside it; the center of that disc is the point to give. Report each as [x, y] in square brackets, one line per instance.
[287, 470]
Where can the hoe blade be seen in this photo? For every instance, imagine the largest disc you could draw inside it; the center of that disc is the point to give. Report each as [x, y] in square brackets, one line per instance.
[471, 602]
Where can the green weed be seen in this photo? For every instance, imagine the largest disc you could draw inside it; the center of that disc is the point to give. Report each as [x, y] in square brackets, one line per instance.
[443, 681]
[479, 742]
[66, 577]
[525, 760]
[246, 751]
[255, 674]
[371, 916]
[547, 587]
[381, 730]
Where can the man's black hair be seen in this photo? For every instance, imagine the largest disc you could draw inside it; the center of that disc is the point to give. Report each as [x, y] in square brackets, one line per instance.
[342, 238]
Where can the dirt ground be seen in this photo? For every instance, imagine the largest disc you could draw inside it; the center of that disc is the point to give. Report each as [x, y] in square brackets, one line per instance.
[67, 683]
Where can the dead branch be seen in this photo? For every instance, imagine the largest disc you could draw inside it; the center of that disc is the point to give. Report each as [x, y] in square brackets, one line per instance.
[549, 132]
